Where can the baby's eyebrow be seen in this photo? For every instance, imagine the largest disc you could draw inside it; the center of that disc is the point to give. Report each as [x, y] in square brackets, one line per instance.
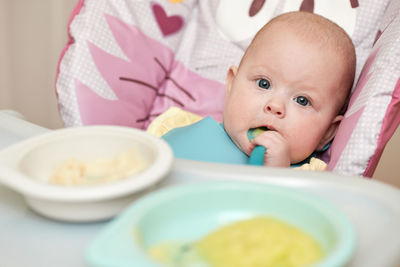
[309, 91]
[262, 69]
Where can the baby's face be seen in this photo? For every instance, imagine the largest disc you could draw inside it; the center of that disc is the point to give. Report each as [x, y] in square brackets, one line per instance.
[287, 85]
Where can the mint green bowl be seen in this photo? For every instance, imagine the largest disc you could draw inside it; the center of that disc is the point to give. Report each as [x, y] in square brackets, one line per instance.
[189, 212]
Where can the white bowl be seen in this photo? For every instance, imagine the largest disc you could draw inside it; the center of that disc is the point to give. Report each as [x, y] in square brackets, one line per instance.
[27, 167]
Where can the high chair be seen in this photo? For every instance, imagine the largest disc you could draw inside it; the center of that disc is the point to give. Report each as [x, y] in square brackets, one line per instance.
[126, 62]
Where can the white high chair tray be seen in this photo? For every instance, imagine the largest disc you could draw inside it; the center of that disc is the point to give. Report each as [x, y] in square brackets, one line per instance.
[27, 239]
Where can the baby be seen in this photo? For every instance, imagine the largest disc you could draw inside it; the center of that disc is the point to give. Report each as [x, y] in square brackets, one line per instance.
[293, 80]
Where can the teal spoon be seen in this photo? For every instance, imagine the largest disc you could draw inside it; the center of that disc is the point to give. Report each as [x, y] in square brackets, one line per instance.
[257, 155]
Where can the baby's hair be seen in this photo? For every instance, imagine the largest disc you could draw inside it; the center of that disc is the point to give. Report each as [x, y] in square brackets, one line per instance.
[322, 31]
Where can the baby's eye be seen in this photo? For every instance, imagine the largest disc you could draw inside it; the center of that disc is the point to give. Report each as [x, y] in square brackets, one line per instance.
[302, 101]
[263, 83]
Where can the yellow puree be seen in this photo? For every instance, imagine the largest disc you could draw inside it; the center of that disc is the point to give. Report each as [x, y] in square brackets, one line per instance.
[256, 242]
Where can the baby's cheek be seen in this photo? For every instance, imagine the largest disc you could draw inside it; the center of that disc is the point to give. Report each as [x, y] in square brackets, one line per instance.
[301, 148]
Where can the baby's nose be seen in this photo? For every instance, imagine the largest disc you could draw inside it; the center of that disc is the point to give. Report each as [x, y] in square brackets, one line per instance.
[278, 109]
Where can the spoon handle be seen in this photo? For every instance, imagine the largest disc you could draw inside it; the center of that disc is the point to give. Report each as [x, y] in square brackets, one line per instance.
[257, 156]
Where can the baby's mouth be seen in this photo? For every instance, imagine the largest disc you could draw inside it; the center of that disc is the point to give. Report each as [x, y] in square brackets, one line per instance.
[253, 132]
[263, 128]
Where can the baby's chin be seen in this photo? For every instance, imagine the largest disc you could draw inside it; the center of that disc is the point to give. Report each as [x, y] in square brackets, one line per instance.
[241, 139]
[294, 159]
[244, 144]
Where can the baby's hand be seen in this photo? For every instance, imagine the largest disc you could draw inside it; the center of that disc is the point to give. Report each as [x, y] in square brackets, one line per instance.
[276, 149]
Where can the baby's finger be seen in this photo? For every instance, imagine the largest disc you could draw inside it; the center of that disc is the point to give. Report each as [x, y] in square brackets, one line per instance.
[268, 137]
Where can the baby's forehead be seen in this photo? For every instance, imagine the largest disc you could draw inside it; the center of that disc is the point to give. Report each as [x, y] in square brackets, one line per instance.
[312, 30]
[306, 32]
[311, 27]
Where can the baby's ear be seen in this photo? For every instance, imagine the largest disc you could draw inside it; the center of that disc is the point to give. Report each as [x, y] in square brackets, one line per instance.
[230, 76]
[330, 133]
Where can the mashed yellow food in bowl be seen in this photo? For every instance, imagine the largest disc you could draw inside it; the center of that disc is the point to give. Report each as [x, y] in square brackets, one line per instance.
[256, 242]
